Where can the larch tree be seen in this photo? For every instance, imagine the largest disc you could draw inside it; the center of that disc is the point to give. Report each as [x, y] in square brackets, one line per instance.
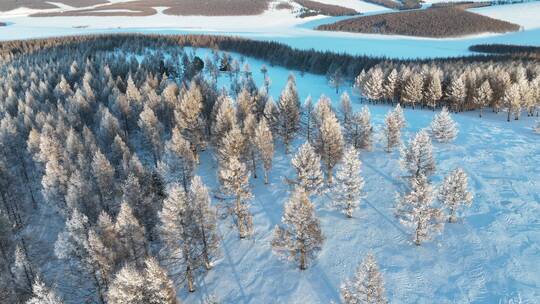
[433, 92]
[131, 236]
[103, 173]
[233, 145]
[234, 179]
[42, 294]
[367, 285]
[390, 86]
[250, 147]
[299, 238]
[336, 79]
[225, 119]
[329, 143]
[188, 115]
[400, 116]
[454, 193]
[417, 157]
[512, 101]
[443, 127]
[206, 219]
[264, 142]
[152, 130]
[178, 162]
[412, 91]
[392, 132]
[179, 232]
[149, 284]
[359, 131]
[483, 96]
[307, 164]
[349, 183]
[289, 113]
[308, 121]
[415, 210]
[457, 92]
[373, 84]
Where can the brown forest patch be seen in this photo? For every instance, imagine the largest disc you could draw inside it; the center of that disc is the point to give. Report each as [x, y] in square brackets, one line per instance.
[7, 5]
[174, 7]
[431, 22]
[316, 8]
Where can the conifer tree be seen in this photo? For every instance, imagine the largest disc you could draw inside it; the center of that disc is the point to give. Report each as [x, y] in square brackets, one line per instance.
[433, 92]
[443, 127]
[367, 286]
[131, 236]
[329, 143]
[104, 177]
[308, 119]
[289, 113]
[152, 130]
[345, 109]
[264, 141]
[417, 157]
[512, 101]
[225, 120]
[454, 193]
[412, 91]
[299, 238]
[415, 210]
[178, 162]
[307, 164]
[483, 96]
[250, 147]
[349, 182]
[457, 93]
[392, 132]
[390, 86]
[188, 115]
[41, 294]
[234, 179]
[400, 117]
[373, 85]
[233, 145]
[359, 131]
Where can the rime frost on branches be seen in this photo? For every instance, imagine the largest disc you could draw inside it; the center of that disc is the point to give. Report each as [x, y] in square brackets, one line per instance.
[349, 182]
[367, 286]
[454, 193]
[443, 127]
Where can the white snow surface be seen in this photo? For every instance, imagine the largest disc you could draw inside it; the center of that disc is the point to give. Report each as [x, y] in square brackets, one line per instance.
[490, 256]
[358, 5]
[525, 14]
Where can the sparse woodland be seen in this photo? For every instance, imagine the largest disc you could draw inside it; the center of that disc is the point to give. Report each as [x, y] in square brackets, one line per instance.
[104, 134]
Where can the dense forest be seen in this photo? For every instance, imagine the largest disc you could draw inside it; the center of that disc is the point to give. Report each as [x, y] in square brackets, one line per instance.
[432, 22]
[313, 8]
[102, 136]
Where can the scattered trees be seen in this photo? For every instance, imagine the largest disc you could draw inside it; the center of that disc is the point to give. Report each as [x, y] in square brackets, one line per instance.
[392, 132]
[265, 146]
[289, 113]
[349, 182]
[443, 128]
[367, 286]
[454, 193]
[307, 164]
[417, 157]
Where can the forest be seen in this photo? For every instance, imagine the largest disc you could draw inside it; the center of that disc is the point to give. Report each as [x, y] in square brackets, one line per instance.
[103, 135]
[439, 22]
[312, 8]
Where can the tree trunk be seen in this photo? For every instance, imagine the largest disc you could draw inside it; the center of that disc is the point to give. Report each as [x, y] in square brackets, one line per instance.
[416, 236]
[239, 218]
[329, 177]
[266, 177]
[302, 258]
[191, 287]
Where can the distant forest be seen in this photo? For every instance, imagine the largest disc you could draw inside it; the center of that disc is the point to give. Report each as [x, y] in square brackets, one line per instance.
[312, 8]
[523, 50]
[432, 22]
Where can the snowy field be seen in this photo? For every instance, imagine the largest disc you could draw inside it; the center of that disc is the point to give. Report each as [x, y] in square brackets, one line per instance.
[526, 14]
[490, 256]
[282, 26]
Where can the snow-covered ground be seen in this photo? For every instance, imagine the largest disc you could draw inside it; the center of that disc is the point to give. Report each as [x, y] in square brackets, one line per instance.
[360, 6]
[490, 256]
[525, 14]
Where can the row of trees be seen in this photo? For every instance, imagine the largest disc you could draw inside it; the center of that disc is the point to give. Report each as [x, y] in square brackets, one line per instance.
[512, 88]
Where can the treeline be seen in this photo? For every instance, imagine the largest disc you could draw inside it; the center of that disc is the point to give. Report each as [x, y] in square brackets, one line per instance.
[312, 8]
[399, 5]
[462, 4]
[511, 87]
[520, 50]
[432, 22]
[7, 5]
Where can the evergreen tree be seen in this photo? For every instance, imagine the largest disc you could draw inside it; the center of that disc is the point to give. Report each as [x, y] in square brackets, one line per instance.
[483, 96]
[307, 164]
[308, 119]
[400, 117]
[300, 237]
[367, 286]
[104, 178]
[234, 178]
[329, 142]
[433, 92]
[457, 92]
[41, 294]
[417, 157]
[178, 162]
[454, 193]
[443, 127]
[349, 182]
[345, 109]
[131, 236]
[412, 91]
[289, 113]
[152, 130]
[390, 86]
[512, 101]
[415, 210]
[373, 85]
[189, 118]
[392, 132]
[359, 131]
[264, 141]
[225, 120]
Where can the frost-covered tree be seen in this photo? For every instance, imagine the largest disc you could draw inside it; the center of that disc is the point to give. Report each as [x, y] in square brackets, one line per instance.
[225, 119]
[367, 285]
[41, 294]
[412, 91]
[415, 210]
[206, 219]
[443, 127]
[289, 113]
[329, 142]
[234, 179]
[178, 162]
[483, 96]
[373, 84]
[349, 182]
[152, 130]
[345, 109]
[250, 147]
[454, 193]
[392, 132]
[512, 101]
[417, 157]
[457, 92]
[359, 131]
[433, 92]
[390, 86]
[188, 115]
[179, 232]
[233, 145]
[299, 238]
[264, 141]
[307, 164]
[336, 79]
[399, 116]
[103, 173]
[308, 119]
[22, 270]
[149, 285]
[131, 236]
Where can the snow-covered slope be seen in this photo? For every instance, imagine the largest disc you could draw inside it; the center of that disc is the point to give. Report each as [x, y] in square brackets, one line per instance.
[359, 5]
[525, 14]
